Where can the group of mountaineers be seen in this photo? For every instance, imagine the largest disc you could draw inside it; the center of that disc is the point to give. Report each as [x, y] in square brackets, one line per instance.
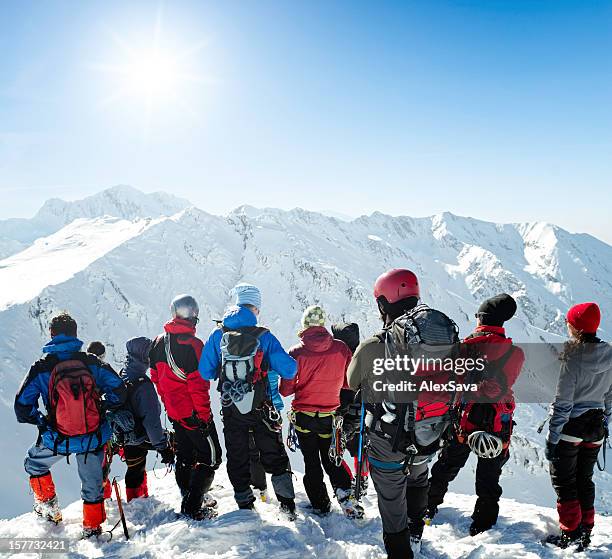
[91, 413]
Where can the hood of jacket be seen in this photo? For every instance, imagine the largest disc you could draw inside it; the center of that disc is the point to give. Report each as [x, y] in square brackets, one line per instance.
[596, 358]
[239, 317]
[316, 339]
[180, 326]
[137, 359]
[62, 346]
[348, 332]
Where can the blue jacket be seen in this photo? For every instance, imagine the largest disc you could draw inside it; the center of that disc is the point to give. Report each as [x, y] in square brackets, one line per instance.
[281, 365]
[36, 385]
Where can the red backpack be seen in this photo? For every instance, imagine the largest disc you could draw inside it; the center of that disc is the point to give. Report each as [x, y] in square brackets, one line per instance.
[74, 400]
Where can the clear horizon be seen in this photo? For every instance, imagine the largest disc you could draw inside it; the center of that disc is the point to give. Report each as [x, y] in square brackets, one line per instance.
[495, 110]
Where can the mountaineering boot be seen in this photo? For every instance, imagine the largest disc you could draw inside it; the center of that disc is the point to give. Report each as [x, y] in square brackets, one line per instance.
[415, 545]
[322, 510]
[566, 538]
[203, 513]
[193, 499]
[287, 507]
[94, 514]
[430, 515]
[397, 545]
[136, 492]
[350, 506]
[208, 501]
[585, 539]
[415, 540]
[45, 500]
[49, 510]
[87, 533]
[484, 516]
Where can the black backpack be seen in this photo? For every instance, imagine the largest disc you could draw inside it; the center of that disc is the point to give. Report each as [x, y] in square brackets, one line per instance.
[418, 427]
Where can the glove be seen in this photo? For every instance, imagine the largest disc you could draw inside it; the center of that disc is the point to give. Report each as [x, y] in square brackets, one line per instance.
[122, 421]
[167, 455]
[551, 451]
[351, 426]
[42, 425]
[205, 426]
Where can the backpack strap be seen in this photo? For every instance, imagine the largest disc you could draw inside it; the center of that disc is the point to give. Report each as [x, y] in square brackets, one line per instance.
[170, 359]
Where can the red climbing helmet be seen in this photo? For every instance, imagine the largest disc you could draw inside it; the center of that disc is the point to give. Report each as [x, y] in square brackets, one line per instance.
[395, 285]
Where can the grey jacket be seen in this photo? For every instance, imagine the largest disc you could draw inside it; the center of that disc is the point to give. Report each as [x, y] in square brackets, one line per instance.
[585, 383]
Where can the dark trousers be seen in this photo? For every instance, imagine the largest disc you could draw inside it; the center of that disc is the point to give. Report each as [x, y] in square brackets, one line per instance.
[136, 462]
[402, 494]
[198, 455]
[572, 478]
[488, 471]
[315, 449]
[237, 430]
[258, 473]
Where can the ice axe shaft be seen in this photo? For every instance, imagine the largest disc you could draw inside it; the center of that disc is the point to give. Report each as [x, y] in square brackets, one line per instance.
[120, 507]
[359, 472]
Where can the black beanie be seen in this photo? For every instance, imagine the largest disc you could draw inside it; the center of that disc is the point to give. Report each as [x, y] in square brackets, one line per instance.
[496, 310]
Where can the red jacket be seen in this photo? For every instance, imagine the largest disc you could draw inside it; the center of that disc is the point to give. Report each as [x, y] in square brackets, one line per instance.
[322, 364]
[493, 339]
[187, 400]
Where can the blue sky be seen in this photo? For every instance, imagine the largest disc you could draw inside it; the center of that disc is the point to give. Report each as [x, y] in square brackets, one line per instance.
[497, 110]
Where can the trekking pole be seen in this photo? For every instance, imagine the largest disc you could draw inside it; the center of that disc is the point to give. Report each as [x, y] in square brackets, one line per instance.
[120, 507]
[360, 454]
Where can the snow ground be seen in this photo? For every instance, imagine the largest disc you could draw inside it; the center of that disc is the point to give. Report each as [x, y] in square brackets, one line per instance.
[157, 532]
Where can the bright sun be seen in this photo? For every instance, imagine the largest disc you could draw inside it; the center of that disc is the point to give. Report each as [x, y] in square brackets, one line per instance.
[152, 75]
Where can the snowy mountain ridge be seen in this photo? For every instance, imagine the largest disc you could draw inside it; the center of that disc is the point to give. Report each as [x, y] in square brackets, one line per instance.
[120, 201]
[117, 275]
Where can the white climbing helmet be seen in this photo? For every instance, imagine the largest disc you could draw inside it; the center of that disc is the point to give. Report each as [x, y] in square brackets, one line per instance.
[185, 306]
[485, 445]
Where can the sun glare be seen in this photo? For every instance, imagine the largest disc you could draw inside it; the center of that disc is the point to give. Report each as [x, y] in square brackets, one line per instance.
[153, 76]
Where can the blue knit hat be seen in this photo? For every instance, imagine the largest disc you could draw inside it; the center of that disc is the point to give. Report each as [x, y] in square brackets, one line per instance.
[247, 294]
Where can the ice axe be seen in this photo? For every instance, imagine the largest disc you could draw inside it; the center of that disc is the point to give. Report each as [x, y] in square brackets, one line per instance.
[120, 507]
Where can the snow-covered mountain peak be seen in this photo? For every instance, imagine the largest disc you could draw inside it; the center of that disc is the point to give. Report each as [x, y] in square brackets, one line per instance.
[119, 201]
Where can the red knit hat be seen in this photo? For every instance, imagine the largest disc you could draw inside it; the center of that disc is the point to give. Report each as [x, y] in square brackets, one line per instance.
[585, 317]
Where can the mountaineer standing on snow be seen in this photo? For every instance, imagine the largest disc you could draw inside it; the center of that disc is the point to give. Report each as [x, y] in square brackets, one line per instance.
[579, 425]
[350, 403]
[185, 394]
[322, 362]
[239, 354]
[483, 428]
[80, 393]
[403, 437]
[148, 433]
[258, 472]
